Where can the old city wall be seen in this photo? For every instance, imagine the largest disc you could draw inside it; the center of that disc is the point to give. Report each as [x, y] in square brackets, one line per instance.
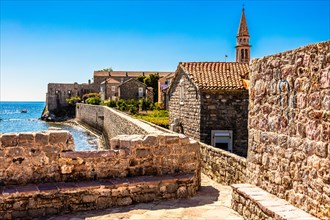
[222, 166]
[112, 122]
[289, 127]
[41, 174]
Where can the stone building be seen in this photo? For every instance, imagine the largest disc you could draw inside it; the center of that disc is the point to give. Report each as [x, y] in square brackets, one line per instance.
[163, 85]
[109, 89]
[58, 92]
[209, 102]
[133, 89]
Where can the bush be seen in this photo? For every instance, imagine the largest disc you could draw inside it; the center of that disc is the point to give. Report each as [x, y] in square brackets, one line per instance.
[145, 104]
[93, 100]
[132, 109]
[73, 100]
[112, 104]
[90, 95]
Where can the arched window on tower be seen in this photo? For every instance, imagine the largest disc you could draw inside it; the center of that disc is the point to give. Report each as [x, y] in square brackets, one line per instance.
[246, 54]
[242, 54]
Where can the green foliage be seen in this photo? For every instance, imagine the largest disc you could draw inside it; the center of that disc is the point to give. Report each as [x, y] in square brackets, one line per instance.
[145, 104]
[112, 104]
[132, 109]
[73, 100]
[90, 95]
[95, 100]
[151, 81]
[158, 117]
[121, 105]
[108, 69]
[159, 106]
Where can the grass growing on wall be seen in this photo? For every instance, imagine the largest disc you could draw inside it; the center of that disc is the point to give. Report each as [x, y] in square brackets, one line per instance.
[158, 117]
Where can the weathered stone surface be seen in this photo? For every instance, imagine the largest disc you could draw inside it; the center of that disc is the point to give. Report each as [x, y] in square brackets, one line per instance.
[294, 167]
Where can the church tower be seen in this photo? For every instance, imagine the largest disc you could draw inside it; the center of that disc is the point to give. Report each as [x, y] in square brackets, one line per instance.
[242, 44]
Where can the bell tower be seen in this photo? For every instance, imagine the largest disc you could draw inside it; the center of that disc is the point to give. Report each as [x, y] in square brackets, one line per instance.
[242, 41]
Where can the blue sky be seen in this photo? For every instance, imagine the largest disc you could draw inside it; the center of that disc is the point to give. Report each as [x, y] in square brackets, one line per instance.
[65, 41]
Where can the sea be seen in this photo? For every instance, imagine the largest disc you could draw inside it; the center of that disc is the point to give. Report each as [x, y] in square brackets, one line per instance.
[13, 120]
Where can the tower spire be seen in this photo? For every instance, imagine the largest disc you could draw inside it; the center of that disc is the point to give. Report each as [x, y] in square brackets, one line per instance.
[242, 43]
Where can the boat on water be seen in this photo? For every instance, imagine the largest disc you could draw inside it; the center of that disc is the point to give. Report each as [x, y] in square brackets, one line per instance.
[24, 111]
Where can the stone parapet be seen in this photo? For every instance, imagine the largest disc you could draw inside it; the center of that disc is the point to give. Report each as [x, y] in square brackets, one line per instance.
[46, 199]
[254, 203]
[32, 157]
[222, 166]
[48, 157]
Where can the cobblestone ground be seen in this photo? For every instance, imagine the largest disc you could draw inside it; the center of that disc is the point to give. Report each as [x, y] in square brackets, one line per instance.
[211, 202]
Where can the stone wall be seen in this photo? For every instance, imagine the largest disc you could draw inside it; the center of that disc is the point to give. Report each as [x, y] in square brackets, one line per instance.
[188, 111]
[49, 157]
[226, 111]
[254, 203]
[222, 166]
[130, 89]
[92, 115]
[112, 122]
[289, 127]
[58, 92]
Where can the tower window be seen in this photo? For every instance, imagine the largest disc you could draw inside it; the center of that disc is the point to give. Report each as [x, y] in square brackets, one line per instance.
[242, 54]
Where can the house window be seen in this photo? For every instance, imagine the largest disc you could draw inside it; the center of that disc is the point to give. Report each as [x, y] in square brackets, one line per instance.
[181, 87]
[101, 89]
[140, 92]
[113, 88]
[222, 139]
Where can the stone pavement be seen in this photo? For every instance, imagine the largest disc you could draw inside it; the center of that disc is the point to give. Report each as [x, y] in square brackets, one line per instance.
[211, 202]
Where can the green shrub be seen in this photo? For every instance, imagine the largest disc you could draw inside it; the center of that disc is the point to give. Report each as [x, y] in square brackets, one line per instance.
[73, 100]
[145, 104]
[132, 109]
[90, 95]
[112, 104]
[93, 100]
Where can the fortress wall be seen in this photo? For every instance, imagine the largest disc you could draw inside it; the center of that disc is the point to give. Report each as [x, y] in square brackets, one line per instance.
[289, 127]
[49, 157]
[92, 115]
[41, 175]
[222, 166]
[112, 122]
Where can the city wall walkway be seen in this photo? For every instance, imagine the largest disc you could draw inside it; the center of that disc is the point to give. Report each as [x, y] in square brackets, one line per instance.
[211, 202]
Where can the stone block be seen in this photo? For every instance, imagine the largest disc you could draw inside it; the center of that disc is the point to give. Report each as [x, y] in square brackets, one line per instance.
[9, 140]
[143, 153]
[57, 137]
[26, 139]
[41, 139]
[150, 140]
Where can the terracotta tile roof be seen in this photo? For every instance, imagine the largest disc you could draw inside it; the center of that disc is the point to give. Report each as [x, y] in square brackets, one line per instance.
[111, 81]
[216, 75]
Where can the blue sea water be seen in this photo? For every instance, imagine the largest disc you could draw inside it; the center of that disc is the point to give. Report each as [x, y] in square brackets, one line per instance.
[13, 120]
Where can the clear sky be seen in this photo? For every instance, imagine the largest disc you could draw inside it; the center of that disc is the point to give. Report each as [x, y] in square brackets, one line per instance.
[65, 41]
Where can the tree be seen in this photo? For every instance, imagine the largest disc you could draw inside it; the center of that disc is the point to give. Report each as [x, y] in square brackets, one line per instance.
[151, 81]
[108, 69]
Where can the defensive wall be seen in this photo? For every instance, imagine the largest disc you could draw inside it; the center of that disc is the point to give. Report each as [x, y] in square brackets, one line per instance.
[222, 166]
[289, 127]
[42, 175]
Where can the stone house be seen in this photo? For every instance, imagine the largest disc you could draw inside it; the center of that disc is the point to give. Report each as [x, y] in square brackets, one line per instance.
[133, 89]
[209, 102]
[109, 89]
[163, 85]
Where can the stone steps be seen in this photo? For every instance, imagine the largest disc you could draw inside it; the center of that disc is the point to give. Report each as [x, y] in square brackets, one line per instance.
[46, 199]
[253, 202]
